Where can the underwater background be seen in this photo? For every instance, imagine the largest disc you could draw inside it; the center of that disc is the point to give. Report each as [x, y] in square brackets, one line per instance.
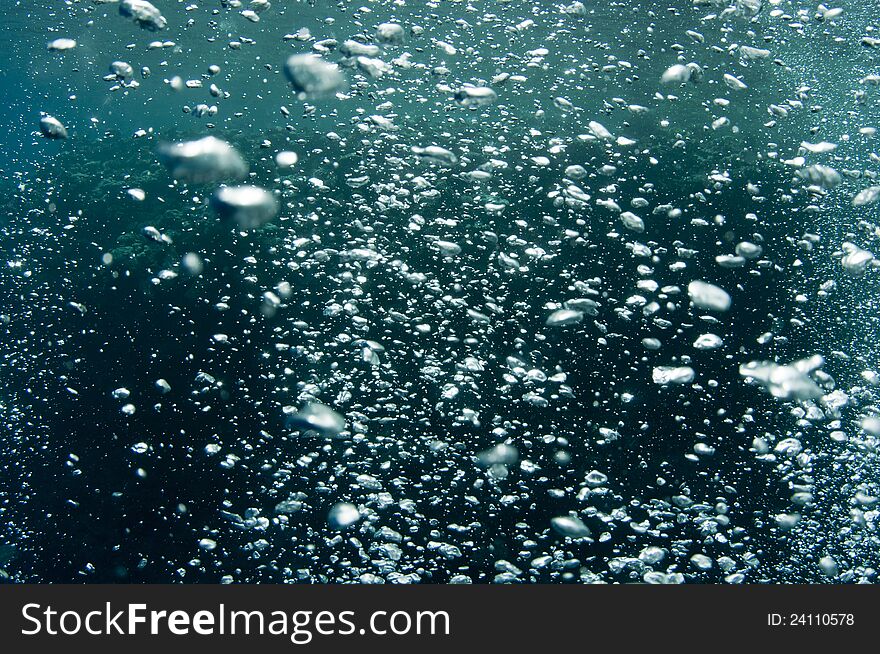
[466, 344]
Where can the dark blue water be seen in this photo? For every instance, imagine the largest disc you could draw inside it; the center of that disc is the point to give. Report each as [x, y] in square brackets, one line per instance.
[93, 492]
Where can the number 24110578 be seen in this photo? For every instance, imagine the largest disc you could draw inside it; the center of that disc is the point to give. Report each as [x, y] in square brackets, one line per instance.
[810, 620]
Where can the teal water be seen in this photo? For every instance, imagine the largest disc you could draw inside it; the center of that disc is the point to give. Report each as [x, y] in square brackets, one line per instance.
[411, 298]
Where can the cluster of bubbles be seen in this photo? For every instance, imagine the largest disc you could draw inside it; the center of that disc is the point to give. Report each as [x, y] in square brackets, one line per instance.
[459, 292]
